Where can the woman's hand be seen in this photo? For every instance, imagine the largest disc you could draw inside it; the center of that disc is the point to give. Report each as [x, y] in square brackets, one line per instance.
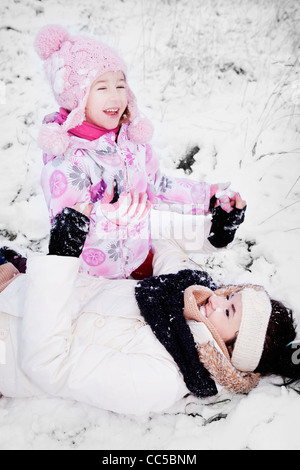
[83, 207]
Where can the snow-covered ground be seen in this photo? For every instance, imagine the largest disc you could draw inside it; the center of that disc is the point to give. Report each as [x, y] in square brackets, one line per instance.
[220, 75]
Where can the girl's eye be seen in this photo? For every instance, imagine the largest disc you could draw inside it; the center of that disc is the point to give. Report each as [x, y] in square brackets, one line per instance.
[227, 297]
[227, 313]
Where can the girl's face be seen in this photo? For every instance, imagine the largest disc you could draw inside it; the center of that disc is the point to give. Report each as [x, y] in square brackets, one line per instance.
[107, 100]
[225, 314]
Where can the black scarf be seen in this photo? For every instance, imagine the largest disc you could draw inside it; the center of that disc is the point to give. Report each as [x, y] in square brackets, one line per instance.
[161, 302]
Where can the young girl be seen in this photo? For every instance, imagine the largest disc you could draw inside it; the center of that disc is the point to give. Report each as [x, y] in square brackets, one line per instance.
[134, 347]
[97, 151]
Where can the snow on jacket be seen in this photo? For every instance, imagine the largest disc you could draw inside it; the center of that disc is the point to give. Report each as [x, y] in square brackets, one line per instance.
[83, 338]
[83, 174]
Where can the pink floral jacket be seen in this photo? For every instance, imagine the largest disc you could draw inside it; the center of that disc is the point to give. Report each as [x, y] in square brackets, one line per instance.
[83, 174]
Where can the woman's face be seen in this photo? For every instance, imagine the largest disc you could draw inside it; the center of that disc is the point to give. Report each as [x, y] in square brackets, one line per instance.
[225, 313]
[107, 100]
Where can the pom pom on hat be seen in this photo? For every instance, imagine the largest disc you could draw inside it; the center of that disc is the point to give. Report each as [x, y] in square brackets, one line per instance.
[49, 40]
[140, 130]
[53, 139]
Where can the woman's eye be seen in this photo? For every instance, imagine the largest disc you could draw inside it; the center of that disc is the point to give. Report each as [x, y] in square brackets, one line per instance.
[227, 297]
[227, 313]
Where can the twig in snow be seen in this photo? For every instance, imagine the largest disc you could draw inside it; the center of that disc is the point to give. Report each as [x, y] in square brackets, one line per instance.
[292, 187]
[277, 153]
[292, 229]
[281, 210]
[10, 28]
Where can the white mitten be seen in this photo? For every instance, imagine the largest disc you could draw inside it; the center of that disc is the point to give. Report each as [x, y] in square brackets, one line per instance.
[130, 208]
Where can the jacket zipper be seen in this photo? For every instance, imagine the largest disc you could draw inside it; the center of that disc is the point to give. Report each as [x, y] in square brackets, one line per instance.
[126, 188]
[125, 167]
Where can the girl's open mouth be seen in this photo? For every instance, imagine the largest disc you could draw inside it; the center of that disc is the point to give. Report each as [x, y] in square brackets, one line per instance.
[111, 112]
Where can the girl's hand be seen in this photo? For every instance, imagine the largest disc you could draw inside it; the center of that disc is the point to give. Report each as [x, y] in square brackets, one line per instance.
[239, 202]
[124, 209]
[226, 197]
[130, 208]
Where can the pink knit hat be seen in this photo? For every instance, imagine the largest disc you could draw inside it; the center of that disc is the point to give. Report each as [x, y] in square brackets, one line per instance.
[72, 64]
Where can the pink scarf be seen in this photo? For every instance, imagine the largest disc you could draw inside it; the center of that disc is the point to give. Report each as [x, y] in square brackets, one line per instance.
[86, 130]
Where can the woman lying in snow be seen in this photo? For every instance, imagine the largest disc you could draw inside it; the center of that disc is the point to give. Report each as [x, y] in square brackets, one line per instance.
[135, 346]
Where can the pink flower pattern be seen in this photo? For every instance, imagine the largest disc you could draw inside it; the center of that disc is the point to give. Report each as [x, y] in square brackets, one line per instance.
[58, 184]
[93, 257]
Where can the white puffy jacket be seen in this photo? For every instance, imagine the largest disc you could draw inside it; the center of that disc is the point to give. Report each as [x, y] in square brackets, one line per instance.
[83, 338]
